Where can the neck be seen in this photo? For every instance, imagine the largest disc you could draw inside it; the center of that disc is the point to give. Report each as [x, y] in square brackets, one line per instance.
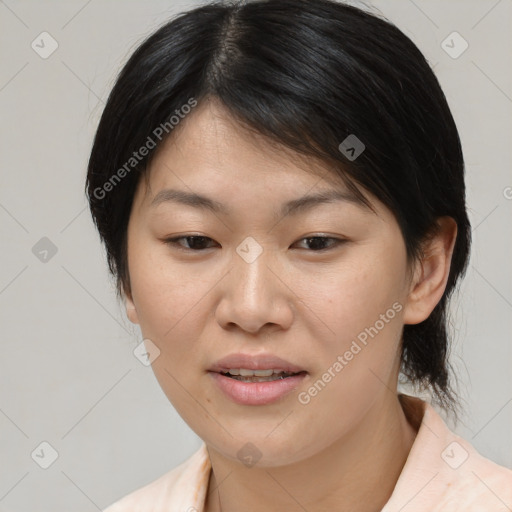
[357, 472]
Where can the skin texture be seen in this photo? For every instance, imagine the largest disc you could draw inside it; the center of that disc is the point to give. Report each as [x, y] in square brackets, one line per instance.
[343, 450]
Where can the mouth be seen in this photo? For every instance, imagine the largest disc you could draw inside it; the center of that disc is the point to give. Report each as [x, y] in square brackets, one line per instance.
[247, 375]
[258, 379]
[254, 365]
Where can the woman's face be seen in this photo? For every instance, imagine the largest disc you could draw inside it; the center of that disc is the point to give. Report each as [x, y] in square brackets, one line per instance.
[257, 286]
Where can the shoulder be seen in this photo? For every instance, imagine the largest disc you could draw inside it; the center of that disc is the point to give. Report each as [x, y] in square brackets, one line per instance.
[445, 472]
[182, 488]
[478, 483]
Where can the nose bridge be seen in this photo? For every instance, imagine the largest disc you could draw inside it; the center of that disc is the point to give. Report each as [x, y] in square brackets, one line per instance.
[253, 296]
[252, 274]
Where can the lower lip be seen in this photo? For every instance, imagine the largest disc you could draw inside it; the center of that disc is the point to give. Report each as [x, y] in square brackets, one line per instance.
[256, 393]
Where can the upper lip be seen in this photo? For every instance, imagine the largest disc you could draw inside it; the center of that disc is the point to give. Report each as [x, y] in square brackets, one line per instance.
[254, 362]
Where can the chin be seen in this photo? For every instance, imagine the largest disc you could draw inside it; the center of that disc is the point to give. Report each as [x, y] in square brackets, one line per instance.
[262, 450]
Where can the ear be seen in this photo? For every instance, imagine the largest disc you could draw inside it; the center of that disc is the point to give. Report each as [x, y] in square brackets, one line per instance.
[131, 311]
[431, 272]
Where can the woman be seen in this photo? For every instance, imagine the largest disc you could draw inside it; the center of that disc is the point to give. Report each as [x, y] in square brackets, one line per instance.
[280, 190]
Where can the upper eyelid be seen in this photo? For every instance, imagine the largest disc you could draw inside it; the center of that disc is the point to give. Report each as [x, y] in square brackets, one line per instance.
[316, 235]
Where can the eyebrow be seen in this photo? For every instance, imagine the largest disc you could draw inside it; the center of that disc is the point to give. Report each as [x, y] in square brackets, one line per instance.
[293, 207]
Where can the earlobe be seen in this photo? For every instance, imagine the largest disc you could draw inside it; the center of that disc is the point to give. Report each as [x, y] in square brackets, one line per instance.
[131, 311]
[431, 273]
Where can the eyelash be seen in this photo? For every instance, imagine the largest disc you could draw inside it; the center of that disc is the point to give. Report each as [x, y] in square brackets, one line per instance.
[174, 242]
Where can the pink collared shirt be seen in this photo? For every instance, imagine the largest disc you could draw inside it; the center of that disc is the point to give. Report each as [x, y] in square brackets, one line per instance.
[443, 472]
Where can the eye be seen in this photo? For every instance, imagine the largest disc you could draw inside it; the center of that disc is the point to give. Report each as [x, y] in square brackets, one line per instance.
[197, 243]
[194, 242]
[318, 243]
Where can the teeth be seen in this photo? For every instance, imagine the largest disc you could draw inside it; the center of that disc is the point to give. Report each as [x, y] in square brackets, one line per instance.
[254, 378]
[246, 375]
[253, 373]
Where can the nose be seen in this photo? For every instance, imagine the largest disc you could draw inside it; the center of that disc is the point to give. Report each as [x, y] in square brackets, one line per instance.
[255, 296]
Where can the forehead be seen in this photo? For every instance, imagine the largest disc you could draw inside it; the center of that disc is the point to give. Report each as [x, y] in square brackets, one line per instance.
[210, 147]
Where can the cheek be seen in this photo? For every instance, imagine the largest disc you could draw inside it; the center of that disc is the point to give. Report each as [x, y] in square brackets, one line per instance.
[352, 297]
[360, 307]
[357, 359]
[169, 303]
[165, 297]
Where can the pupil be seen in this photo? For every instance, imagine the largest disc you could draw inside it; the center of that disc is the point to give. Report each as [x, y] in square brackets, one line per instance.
[317, 243]
[196, 240]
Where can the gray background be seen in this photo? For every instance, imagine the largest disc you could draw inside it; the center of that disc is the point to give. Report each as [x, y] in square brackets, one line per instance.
[68, 375]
